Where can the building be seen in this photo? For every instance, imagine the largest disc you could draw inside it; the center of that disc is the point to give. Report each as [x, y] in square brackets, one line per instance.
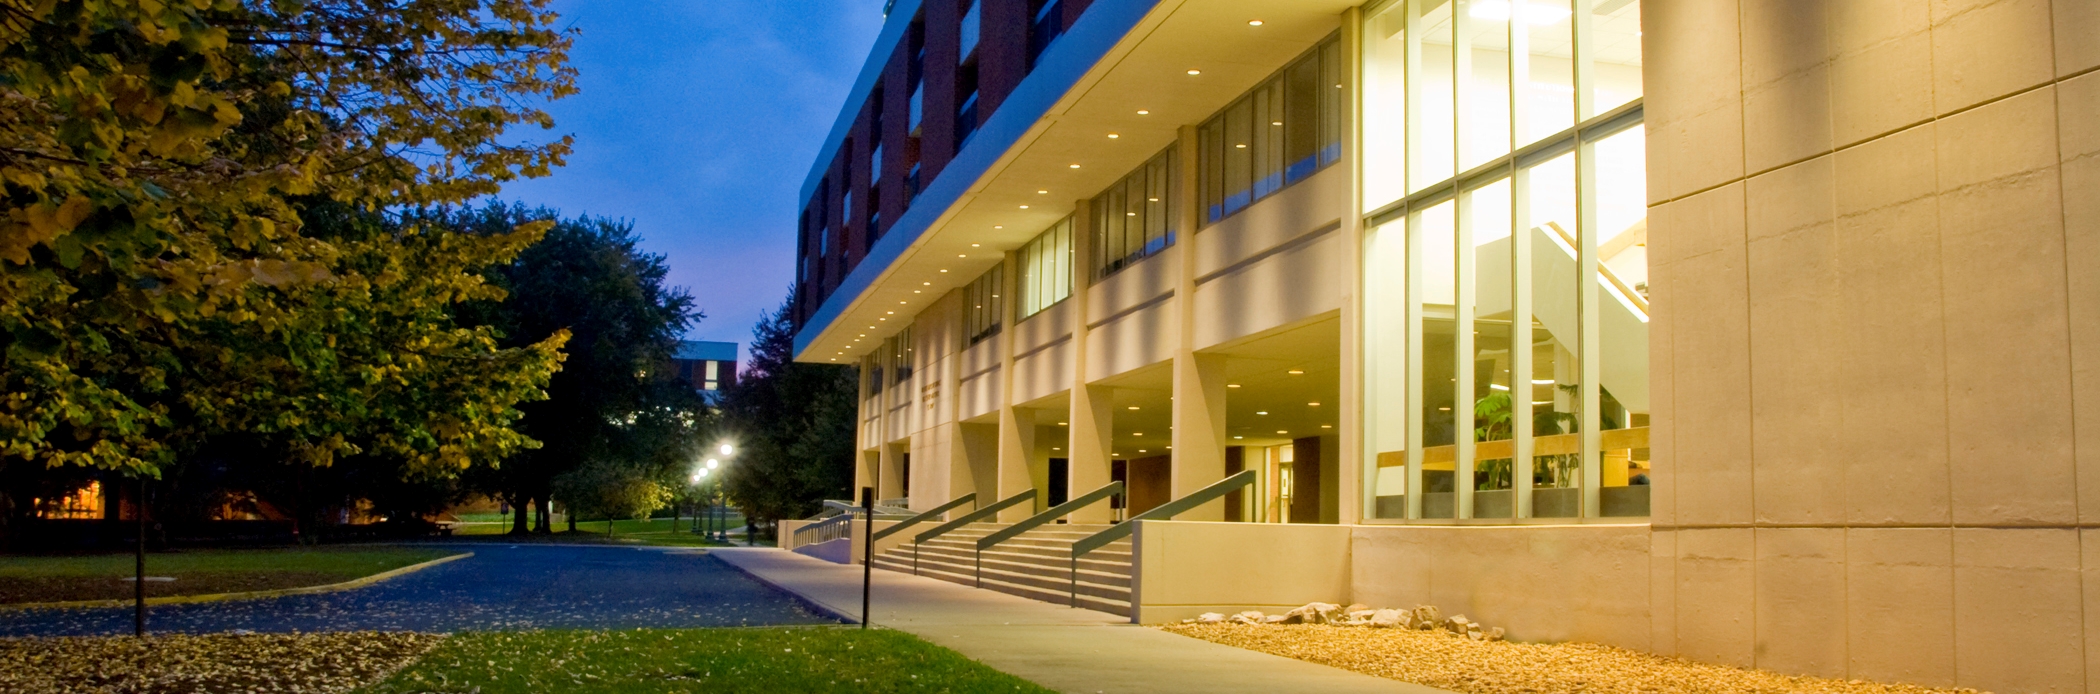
[1805, 358]
[709, 366]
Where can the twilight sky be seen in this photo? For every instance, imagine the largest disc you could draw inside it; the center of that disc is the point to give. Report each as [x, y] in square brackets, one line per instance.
[697, 121]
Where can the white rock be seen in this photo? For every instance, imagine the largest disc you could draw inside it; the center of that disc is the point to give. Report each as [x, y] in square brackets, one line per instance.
[1210, 618]
[1389, 619]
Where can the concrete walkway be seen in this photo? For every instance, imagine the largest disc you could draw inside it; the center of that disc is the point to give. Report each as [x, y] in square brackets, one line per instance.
[1067, 649]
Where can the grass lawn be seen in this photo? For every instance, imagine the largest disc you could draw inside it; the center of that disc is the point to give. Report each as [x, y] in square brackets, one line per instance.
[653, 531]
[197, 572]
[806, 659]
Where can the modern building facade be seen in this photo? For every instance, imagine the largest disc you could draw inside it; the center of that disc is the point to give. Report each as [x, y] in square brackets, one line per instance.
[1755, 332]
[709, 366]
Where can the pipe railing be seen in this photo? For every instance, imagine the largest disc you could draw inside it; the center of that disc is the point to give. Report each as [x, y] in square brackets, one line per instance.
[825, 530]
[970, 498]
[1216, 490]
[1055, 512]
[966, 519]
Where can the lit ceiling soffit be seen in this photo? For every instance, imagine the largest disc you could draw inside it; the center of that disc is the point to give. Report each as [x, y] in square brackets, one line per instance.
[1119, 59]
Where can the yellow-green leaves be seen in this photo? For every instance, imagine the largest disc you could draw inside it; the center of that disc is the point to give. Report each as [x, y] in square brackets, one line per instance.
[162, 279]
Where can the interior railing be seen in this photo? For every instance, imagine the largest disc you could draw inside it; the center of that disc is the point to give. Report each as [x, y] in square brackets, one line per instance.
[970, 498]
[1055, 512]
[967, 518]
[1167, 511]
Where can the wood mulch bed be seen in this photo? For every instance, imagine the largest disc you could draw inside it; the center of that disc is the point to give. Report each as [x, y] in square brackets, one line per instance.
[1443, 660]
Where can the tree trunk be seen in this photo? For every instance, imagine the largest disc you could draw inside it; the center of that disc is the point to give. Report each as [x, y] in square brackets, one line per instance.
[517, 508]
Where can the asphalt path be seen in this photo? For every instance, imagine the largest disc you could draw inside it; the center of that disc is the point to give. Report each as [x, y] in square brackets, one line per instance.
[500, 588]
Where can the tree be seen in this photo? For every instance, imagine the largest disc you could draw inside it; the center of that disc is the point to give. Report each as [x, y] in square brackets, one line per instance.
[612, 489]
[796, 424]
[615, 399]
[163, 275]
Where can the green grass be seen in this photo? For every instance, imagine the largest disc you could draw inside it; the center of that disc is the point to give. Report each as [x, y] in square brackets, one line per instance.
[347, 561]
[94, 577]
[808, 659]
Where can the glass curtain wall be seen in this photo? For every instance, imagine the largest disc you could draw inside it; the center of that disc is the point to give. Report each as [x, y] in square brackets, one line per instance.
[1135, 217]
[981, 306]
[1281, 132]
[1045, 265]
[1506, 310]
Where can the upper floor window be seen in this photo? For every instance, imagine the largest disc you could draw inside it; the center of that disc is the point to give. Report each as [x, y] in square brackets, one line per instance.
[1045, 266]
[1136, 216]
[972, 24]
[1047, 23]
[981, 306]
[875, 165]
[1283, 131]
[900, 355]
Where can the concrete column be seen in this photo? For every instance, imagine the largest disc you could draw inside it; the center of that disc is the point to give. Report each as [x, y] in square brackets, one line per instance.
[1199, 429]
[1092, 419]
[1199, 379]
[889, 468]
[1016, 428]
[1092, 428]
[1016, 451]
[1348, 446]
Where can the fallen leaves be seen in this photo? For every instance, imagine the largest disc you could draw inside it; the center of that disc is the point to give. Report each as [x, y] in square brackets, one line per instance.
[1437, 659]
[311, 663]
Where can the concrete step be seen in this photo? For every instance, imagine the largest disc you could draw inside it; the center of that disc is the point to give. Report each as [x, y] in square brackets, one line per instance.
[1099, 584]
[1119, 604]
[1058, 562]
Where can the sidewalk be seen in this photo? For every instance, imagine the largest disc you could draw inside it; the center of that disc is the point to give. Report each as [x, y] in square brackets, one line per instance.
[1066, 649]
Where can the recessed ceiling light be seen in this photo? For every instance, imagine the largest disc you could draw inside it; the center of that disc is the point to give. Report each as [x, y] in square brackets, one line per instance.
[926, 284]
[1232, 385]
[1143, 112]
[1264, 412]
[1195, 72]
[1113, 136]
[1042, 192]
[916, 291]
[962, 255]
[1024, 207]
[1061, 424]
[893, 313]
[1141, 450]
[1282, 431]
[1240, 146]
[974, 245]
[1239, 437]
[1327, 426]
[944, 269]
[1297, 372]
[1133, 407]
[906, 302]
[1138, 434]
[1075, 166]
[1253, 22]
[1312, 404]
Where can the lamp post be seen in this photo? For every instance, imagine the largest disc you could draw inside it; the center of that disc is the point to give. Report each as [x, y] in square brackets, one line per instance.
[710, 495]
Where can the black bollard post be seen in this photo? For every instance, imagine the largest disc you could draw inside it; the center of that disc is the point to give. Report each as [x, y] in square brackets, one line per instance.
[867, 554]
[138, 579]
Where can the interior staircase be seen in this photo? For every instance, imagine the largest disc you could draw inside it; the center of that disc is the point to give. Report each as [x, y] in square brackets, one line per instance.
[1036, 564]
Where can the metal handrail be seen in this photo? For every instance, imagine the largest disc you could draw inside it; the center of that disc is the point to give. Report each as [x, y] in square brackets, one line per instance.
[970, 498]
[1055, 512]
[968, 518]
[899, 502]
[1216, 490]
[825, 530]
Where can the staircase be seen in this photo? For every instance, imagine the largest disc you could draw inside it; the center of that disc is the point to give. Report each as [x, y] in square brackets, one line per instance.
[1036, 564]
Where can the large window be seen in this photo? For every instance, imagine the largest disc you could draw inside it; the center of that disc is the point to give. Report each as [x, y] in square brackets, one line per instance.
[1136, 216]
[900, 349]
[1506, 310]
[981, 306]
[1045, 266]
[1280, 133]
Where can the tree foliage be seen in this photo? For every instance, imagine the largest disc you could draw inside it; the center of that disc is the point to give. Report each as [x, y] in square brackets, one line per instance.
[615, 401]
[196, 237]
[795, 422]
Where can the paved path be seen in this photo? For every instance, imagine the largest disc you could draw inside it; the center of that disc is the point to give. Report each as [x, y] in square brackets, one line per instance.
[1063, 648]
[501, 587]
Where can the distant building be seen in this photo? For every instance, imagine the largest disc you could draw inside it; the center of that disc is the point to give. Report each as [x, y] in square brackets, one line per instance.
[709, 366]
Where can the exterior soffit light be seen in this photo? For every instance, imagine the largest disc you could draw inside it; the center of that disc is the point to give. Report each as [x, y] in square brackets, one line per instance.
[1143, 112]
[1195, 72]
[1253, 22]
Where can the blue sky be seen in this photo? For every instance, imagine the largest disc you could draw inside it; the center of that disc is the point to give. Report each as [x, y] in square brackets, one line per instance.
[697, 121]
